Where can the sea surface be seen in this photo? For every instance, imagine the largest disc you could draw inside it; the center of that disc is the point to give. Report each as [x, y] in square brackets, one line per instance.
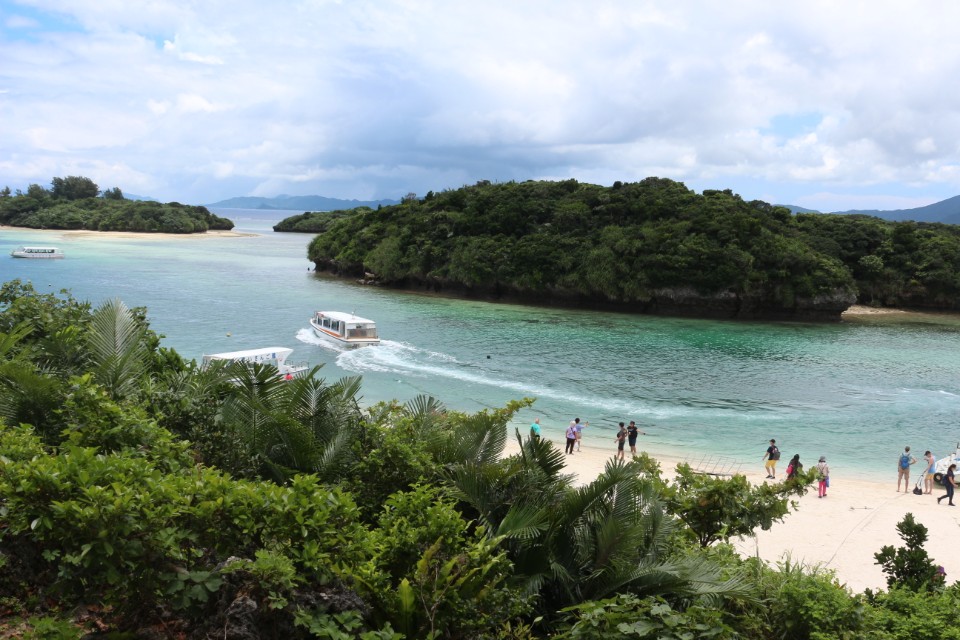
[713, 392]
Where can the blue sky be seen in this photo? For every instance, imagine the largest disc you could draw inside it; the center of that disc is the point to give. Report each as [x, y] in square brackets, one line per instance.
[825, 105]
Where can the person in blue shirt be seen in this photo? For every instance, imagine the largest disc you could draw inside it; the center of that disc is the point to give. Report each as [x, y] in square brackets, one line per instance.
[535, 429]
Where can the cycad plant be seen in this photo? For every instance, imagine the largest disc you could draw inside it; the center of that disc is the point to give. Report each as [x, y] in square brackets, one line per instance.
[573, 544]
[291, 426]
[117, 350]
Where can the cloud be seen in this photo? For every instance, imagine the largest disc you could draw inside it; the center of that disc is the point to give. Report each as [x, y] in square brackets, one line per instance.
[199, 100]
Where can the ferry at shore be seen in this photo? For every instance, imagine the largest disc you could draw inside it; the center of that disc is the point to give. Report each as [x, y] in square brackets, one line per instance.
[345, 328]
[37, 252]
[276, 356]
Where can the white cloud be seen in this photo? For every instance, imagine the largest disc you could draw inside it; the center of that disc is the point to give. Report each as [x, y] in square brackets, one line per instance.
[391, 96]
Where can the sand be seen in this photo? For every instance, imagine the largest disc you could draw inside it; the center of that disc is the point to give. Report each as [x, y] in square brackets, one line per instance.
[840, 532]
[126, 235]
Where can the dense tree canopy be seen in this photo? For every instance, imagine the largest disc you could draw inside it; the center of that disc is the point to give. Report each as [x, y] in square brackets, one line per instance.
[293, 513]
[73, 203]
[653, 246]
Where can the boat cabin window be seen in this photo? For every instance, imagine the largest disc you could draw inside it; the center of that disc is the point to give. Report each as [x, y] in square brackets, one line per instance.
[362, 331]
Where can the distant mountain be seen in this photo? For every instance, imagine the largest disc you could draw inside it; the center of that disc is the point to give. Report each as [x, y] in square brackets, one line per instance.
[795, 209]
[944, 211]
[947, 211]
[298, 203]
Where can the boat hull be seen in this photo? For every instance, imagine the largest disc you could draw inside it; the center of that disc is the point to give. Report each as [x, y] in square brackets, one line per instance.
[30, 255]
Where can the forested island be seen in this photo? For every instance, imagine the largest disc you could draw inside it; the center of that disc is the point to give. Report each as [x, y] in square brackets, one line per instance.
[144, 497]
[76, 202]
[653, 246]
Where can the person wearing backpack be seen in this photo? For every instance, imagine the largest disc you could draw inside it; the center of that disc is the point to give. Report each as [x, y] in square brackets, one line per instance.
[771, 456]
[903, 469]
[823, 477]
[794, 468]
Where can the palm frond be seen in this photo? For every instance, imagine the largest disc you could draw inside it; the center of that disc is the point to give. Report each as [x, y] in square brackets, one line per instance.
[424, 410]
[117, 348]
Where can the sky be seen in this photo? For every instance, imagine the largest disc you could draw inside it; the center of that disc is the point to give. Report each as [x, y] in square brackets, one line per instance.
[825, 105]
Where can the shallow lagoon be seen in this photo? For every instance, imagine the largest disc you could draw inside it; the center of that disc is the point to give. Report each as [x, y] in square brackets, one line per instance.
[856, 391]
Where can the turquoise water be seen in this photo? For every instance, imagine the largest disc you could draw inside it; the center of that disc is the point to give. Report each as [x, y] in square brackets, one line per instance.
[855, 391]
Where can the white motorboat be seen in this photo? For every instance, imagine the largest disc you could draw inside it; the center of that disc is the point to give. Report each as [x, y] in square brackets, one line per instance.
[37, 252]
[345, 328]
[275, 356]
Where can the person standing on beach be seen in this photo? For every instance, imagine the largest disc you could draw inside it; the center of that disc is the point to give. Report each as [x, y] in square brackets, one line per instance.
[579, 427]
[771, 456]
[535, 429]
[823, 477]
[931, 469]
[571, 437]
[794, 468]
[949, 482]
[632, 432]
[903, 469]
[621, 440]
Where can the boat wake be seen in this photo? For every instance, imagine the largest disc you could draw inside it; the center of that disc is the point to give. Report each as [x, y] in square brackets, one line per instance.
[412, 362]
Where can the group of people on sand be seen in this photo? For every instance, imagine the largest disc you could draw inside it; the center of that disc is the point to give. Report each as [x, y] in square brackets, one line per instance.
[574, 436]
[795, 468]
[629, 435]
[574, 433]
[906, 460]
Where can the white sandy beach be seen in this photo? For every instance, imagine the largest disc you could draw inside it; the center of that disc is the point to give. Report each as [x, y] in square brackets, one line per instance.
[126, 235]
[840, 532]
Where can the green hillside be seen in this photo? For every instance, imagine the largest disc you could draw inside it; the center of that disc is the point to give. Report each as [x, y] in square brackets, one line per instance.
[653, 246]
[76, 203]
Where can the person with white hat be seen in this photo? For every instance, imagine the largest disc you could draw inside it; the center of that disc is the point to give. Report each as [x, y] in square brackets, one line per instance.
[823, 477]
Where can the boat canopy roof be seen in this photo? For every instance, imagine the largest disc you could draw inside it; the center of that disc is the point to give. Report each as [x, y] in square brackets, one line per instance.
[344, 317]
[34, 248]
[252, 355]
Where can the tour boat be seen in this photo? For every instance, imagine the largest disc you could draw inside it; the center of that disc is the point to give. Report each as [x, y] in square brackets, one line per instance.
[37, 252]
[276, 356]
[345, 328]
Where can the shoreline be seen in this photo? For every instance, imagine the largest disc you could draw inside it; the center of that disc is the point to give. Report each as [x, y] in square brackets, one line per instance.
[841, 532]
[127, 235]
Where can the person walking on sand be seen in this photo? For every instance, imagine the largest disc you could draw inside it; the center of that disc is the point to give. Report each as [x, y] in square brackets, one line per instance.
[903, 469]
[632, 433]
[931, 469]
[571, 437]
[621, 440]
[771, 456]
[823, 477]
[949, 482]
[579, 426]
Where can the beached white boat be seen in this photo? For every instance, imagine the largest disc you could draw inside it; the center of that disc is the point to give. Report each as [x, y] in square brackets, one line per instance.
[37, 252]
[345, 328]
[945, 462]
[276, 356]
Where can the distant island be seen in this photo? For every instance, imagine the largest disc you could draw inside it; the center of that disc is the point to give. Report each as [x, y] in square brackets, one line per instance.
[76, 202]
[297, 203]
[654, 246]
